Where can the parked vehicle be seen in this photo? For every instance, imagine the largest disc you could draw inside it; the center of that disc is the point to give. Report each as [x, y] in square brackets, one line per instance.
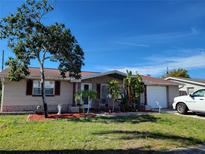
[194, 102]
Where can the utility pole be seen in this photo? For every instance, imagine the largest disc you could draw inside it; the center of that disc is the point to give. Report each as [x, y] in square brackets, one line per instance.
[2, 64]
[167, 71]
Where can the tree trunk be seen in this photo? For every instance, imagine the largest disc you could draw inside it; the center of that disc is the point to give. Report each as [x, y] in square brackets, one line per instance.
[129, 95]
[113, 106]
[43, 91]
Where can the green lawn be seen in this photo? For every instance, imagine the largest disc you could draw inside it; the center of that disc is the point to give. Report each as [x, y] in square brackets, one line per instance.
[158, 132]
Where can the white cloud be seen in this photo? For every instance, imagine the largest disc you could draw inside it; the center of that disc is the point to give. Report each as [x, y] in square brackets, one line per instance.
[147, 39]
[191, 62]
[132, 44]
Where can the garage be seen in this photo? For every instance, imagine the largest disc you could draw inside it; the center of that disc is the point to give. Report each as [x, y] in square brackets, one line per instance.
[157, 93]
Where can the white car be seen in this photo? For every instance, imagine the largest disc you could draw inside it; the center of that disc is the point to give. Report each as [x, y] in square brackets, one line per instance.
[194, 102]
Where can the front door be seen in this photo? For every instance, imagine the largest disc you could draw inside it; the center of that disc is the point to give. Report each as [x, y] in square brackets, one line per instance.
[85, 100]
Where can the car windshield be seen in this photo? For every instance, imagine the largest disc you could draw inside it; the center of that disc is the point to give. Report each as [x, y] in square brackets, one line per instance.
[199, 93]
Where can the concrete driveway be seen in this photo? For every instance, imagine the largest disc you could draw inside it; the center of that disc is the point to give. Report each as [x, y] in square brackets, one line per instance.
[192, 115]
[189, 114]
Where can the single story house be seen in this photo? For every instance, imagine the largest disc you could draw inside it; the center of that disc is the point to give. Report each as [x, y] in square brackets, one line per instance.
[24, 95]
[187, 85]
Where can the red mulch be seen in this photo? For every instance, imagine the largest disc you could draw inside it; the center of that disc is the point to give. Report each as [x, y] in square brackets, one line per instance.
[37, 117]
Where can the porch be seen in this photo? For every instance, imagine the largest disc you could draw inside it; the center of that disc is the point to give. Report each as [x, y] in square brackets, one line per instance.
[99, 84]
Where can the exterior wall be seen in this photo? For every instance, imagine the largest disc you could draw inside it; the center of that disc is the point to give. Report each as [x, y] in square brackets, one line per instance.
[173, 91]
[2, 93]
[184, 86]
[15, 98]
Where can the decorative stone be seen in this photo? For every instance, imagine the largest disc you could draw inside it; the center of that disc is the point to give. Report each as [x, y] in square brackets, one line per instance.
[59, 108]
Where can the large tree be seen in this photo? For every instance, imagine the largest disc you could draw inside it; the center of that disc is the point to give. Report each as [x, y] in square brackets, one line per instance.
[29, 38]
[180, 72]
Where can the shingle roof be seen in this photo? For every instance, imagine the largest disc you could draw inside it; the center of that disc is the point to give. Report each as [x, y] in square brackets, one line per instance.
[49, 73]
[148, 80]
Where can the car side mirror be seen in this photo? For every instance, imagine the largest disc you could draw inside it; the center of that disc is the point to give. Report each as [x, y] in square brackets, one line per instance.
[191, 95]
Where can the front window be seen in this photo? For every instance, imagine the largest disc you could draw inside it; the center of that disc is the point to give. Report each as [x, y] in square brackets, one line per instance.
[199, 93]
[49, 87]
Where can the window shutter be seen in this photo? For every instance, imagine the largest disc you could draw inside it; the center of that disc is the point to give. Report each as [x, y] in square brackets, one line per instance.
[29, 87]
[57, 87]
[98, 90]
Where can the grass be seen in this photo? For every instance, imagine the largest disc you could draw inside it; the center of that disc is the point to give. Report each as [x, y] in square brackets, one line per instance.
[157, 132]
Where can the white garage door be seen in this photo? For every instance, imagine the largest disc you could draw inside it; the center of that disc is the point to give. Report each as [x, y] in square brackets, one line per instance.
[156, 93]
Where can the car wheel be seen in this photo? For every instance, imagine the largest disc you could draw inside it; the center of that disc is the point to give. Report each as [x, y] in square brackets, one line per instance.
[182, 108]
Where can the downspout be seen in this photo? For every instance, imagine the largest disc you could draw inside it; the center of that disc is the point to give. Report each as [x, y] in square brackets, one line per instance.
[167, 90]
[74, 92]
[2, 94]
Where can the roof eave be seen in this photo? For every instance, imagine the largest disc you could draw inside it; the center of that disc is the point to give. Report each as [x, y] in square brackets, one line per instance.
[184, 80]
[103, 74]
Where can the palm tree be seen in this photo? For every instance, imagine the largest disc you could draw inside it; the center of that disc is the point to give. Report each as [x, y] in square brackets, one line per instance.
[85, 94]
[134, 86]
[114, 91]
[128, 85]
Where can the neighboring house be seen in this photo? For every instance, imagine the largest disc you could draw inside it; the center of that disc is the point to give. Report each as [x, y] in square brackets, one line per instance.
[24, 95]
[187, 85]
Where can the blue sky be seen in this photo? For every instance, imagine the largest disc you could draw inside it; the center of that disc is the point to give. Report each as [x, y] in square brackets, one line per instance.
[144, 36]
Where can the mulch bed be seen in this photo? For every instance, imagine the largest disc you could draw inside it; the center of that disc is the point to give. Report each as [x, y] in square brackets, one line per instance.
[37, 117]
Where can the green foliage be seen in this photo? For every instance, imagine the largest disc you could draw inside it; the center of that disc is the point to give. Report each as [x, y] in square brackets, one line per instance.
[180, 72]
[30, 39]
[85, 93]
[114, 90]
[134, 86]
[17, 69]
[125, 106]
[90, 94]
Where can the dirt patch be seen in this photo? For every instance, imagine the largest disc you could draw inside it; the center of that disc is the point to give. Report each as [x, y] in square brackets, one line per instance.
[37, 117]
